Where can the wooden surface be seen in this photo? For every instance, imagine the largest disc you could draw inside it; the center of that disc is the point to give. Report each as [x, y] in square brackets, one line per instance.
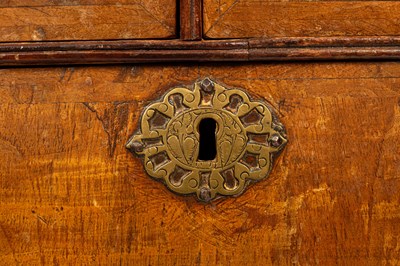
[47, 20]
[279, 18]
[70, 193]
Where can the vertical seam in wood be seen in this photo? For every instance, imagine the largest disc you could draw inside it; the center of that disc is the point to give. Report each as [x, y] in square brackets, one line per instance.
[190, 14]
[192, 19]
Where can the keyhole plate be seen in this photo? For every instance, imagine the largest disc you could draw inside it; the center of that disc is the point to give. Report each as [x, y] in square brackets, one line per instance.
[248, 136]
[208, 141]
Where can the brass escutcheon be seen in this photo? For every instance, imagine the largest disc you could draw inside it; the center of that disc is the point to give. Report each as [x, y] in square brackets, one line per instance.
[240, 140]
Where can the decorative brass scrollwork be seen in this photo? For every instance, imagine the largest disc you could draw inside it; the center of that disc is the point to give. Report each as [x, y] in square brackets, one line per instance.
[247, 136]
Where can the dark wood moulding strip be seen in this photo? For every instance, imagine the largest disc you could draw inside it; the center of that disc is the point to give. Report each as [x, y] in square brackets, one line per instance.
[328, 53]
[124, 45]
[121, 56]
[204, 44]
[148, 56]
[190, 19]
[111, 52]
[325, 42]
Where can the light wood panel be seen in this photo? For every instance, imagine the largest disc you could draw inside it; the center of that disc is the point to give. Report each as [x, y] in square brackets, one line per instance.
[86, 20]
[70, 193]
[253, 18]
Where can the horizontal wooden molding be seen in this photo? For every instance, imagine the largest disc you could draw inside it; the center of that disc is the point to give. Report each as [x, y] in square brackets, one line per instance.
[139, 51]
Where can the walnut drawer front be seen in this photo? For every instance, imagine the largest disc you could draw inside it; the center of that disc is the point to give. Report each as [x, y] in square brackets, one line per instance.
[46, 20]
[71, 192]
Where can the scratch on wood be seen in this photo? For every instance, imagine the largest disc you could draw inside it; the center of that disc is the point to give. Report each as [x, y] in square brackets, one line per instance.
[113, 118]
[64, 71]
[198, 259]
[43, 220]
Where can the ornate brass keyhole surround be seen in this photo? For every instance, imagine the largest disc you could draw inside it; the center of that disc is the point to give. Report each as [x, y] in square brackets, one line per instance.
[248, 137]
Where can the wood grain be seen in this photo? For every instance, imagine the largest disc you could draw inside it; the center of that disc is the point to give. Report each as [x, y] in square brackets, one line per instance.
[70, 193]
[86, 20]
[253, 18]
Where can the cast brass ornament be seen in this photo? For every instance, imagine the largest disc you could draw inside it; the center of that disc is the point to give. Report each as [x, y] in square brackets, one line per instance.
[210, 140]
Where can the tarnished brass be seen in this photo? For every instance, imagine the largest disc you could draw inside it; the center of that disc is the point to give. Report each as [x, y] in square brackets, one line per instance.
[247, 138]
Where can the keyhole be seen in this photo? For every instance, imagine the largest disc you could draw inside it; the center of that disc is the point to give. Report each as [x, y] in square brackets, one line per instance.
[208, 145]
